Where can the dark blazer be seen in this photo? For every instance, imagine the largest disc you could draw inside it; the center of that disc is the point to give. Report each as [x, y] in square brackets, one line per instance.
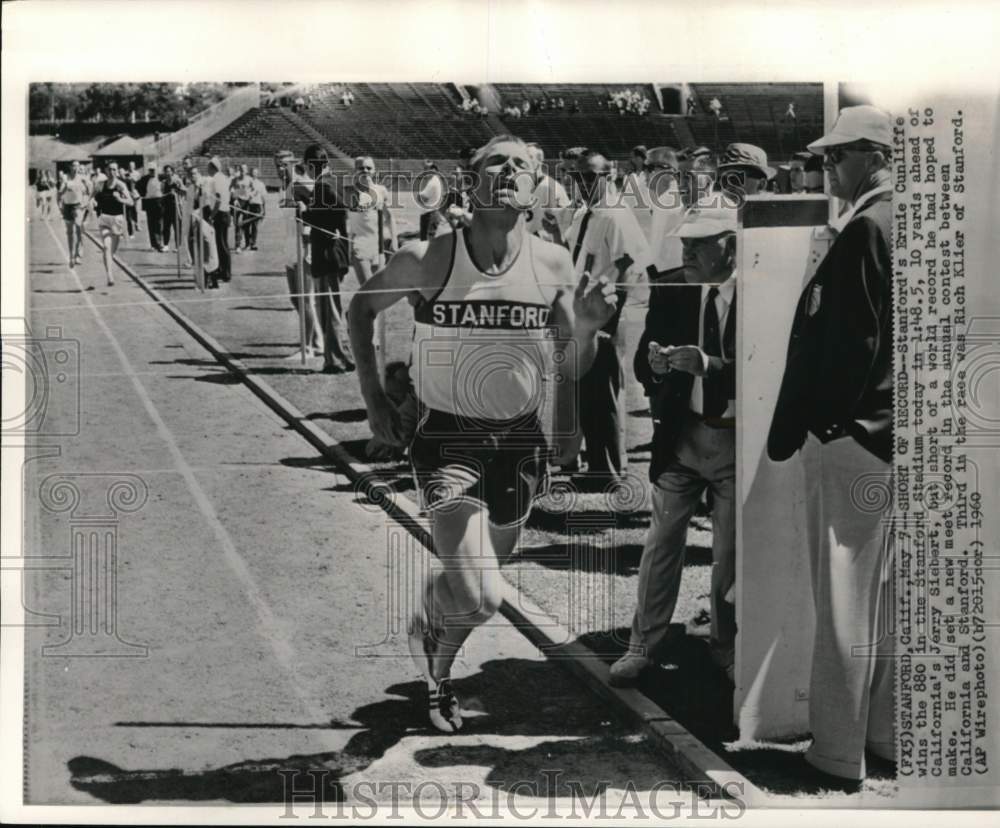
[838, 373]
[673, 319]
[327, 212]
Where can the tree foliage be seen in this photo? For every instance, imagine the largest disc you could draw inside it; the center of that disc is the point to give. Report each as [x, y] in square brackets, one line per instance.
[169, 103]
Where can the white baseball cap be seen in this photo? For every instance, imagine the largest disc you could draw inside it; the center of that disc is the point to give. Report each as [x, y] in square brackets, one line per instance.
[706, 221]
[857, 123]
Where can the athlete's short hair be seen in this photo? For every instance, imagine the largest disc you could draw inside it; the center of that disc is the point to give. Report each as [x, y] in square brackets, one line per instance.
[484, 151]
[360, 159]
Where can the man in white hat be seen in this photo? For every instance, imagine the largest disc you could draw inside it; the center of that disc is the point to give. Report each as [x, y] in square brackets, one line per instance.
[686, 360]
[835, 406]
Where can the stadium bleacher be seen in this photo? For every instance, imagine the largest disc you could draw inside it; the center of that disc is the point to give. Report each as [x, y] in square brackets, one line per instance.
[399, 124]
[755, 113]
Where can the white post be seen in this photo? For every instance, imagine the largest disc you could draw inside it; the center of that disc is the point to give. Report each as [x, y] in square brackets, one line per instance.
[300, 273]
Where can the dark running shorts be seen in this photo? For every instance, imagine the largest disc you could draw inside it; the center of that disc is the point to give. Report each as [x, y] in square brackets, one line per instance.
[499, 464]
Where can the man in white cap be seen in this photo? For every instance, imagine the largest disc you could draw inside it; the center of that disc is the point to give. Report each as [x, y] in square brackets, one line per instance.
[743, 170]
[686, 360]
[835, 405]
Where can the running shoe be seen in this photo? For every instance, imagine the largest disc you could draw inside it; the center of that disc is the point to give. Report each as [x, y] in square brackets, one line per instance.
[445, 711]
[444, 708]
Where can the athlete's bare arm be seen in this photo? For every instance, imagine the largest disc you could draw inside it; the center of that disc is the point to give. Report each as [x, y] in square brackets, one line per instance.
[418, 269]
[579, 311]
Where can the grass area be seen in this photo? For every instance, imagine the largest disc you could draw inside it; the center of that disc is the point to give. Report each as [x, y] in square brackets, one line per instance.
[580, 564]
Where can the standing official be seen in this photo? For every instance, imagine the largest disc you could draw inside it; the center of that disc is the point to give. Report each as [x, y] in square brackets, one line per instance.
[686, 360]
[605, 241]
[216, 199]
[151, 190]
[835, 405]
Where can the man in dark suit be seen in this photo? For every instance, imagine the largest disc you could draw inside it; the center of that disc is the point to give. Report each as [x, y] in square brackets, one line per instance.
[326, 217]
[835, 405]
[686, 360]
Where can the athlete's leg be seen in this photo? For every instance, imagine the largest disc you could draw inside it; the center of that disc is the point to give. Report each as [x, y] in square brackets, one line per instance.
[468, 590]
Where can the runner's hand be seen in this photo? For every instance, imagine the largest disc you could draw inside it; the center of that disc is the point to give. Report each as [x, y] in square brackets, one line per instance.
[385, 422]
[594, 301]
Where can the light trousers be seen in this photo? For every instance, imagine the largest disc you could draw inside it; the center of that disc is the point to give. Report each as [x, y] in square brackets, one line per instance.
[851, 689]
[705, 457]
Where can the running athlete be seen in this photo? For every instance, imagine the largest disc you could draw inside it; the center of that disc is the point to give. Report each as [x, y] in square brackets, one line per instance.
[368, 219]
[74, 195]
[112, 197]
[491, 304]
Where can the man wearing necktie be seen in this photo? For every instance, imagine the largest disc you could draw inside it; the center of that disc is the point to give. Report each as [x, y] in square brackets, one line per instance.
[686, 360]
[607, 242]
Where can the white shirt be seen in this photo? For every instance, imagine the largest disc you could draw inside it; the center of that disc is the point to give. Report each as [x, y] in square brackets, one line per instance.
[667, 211]
[215, 185]
[551, 196]
[635, 190]
[363, 219]
[431, 195]
[723, 301]
[611, 234]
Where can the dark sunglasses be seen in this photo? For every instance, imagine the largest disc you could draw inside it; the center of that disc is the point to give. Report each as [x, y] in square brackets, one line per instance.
[667, 167]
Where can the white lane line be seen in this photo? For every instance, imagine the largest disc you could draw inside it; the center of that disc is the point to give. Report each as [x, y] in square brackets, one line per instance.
[268, 623]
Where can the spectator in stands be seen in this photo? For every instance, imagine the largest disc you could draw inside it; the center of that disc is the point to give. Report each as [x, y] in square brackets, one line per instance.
[526, 106]
[743, 169]
[255, 207]
[606, 242]
[686, 361]
[790, 112]
[575, 108]
[692, 107]
[715, 107]
[152, 203]
[561, 104]
[216, 208]
[430, 197]
[797, 172]
[299, 104]
[326, 216]
[540, 104]
[484, 112]
[551, 200]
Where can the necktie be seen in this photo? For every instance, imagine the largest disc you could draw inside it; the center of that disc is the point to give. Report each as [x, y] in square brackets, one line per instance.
[579, 238]
[715, 400]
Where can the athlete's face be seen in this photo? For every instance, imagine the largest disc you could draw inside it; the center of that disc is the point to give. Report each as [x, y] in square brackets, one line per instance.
[112, 171]
[74, 168]
[505, 177]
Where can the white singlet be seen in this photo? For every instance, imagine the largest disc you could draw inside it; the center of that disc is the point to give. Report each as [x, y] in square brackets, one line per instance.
[482, 343]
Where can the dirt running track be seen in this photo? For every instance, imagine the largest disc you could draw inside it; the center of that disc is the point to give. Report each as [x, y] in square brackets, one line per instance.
[256, 590]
